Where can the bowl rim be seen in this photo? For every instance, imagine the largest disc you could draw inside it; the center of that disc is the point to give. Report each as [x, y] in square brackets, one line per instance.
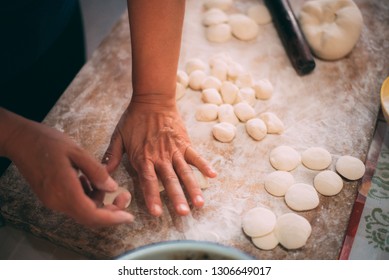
[177, 245]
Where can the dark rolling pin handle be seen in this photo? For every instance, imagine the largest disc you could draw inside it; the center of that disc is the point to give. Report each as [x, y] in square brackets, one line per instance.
[291, 36]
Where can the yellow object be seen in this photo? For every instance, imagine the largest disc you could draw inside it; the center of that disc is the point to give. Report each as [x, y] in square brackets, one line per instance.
[385, 99]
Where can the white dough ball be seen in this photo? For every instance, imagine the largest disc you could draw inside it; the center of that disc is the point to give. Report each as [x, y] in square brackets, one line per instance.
[278, 182]
[243, 27]
[332, 28]
[224, 132]
[180, 91]
[316, 158]
[218, 33]
[220, 4]
[301, 197]
[292, 231]
[211, 95]
[229, 92]
[247, 95]
[328, 183]
[195, 64]
[219, 70]
[266, 242]
[350, 167]
[196, 78]
[259, 13]
[244, 111]
[263, 89]
[284, 158]
[273, 123]
[258, 221]
[207, 112]
[211, 82]
[182, 78]
[244, 79]
[256, 128]
[234, 70]
[226, 114]
[214, 16]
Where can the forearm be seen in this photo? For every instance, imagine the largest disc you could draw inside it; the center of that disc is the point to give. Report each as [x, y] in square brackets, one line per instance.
[10, 124]
[156, 28]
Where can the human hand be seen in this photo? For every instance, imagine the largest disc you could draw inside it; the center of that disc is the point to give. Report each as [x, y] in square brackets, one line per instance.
[157, 145]
[51, 163]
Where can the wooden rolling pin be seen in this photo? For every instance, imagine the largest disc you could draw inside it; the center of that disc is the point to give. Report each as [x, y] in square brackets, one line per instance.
[291, 36]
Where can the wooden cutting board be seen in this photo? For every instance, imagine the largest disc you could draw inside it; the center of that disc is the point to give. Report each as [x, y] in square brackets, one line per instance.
[335, 107]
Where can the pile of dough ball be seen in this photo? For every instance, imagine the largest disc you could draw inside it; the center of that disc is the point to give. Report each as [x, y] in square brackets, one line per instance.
[266, 230]
[221, 23]
[229, 94]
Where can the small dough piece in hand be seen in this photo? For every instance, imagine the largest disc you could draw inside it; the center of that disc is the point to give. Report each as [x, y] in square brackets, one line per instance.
[218, 33]
[256, 128]
[211, 82]
[224, 132]
[243, 27]
[180, 91]
[266, 242]
[258, 221]
[214, 16]
[195, 64]
[263, 89]
[328, 183]
[273, 123]
[196, 78]
[301, 197]
[278, 182]
[226, 114]
[229, 92]
[350, 167]
[244, 111]
[207, 112]
[109, 197]
[284, 158]
[259, 13]
[316, 158]
[220, 4]
[211, 95]
[292, 230]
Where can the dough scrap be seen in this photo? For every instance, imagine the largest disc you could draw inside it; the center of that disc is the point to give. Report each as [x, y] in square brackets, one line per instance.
[243, 27]
[266, 242]
[316, 158]
[278, 182]
[263, 89]
[218, 33]
[301, 197]
[226, 114]
[350, 167]
[256, 128]
[244, 111]
[109, 197]
[207, 112]
[328, 183]
[214, 16]
[273, 123]
[211, 95]
[224, 132]
[292, 231]
[229, 92]
[284, 158]
[258, 221]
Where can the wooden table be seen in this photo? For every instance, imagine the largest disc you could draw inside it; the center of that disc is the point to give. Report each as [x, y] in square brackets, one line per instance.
[335, 107]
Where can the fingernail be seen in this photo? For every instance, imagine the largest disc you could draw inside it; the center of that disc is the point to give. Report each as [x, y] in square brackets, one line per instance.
[110, 184]
[126, 217]
[183, 209]
[199, 200]
[157, 210]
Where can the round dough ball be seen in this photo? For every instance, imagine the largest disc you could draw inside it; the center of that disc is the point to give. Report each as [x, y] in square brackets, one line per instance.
[243, 27]
[214, 16]
[196, 78]
[332, 28]
[211, 95]
[219, 70]
[109, 197]
[292, 231]
[273, 123]
[266, 242]
[226, 114]
[244, 111]
[247, 95]
[229, 92]
[259, 13]
[234, 70]
[301, 197]
[182, 78]
[328, 183]
[180, 91]
[244, 79]
[350, 167]
[284, 158]
[263, 89]
[224, 132]
[316, 158]
[258, 221]
[220, 4]
[278, 182]
[211, 82]
[207, 112]
[195, 64]
[219, 33]
[256, 128]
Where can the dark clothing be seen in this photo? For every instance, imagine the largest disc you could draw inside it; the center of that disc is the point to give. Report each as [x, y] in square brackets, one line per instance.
[41, 50]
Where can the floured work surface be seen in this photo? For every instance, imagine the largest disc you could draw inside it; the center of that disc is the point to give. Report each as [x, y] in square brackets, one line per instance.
[335, 107]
